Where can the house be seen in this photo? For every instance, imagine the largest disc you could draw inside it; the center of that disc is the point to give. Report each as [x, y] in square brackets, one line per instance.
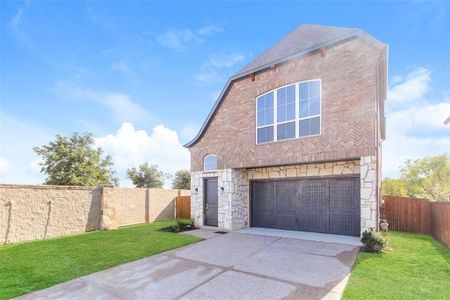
[294, 139]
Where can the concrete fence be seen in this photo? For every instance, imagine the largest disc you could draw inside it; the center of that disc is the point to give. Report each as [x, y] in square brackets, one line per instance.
[32, 212]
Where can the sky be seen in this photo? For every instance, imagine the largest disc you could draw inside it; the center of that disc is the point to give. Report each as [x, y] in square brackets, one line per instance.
[142, 76]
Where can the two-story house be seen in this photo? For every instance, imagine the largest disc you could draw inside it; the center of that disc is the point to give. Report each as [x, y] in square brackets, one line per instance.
[294, 139]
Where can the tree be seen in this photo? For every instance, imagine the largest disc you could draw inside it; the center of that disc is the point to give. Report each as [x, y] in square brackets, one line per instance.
[75, 161]
[394, 187]
[148, 176]
[182, 180]
[428, 177]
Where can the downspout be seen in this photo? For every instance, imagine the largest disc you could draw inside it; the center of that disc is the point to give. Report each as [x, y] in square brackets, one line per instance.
[377, 143]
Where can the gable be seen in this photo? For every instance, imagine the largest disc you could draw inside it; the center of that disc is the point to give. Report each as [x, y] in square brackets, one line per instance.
[304, 41]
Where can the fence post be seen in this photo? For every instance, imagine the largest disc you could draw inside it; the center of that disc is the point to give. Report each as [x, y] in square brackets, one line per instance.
[108, 209]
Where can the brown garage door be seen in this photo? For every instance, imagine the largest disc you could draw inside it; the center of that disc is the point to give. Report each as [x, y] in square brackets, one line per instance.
[330, 205]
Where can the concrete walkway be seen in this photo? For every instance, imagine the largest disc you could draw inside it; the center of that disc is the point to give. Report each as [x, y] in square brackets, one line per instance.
[304, 235]
[235, 265]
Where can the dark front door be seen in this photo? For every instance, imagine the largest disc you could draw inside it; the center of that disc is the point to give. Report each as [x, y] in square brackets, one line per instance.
[211, 202]
[328, 205]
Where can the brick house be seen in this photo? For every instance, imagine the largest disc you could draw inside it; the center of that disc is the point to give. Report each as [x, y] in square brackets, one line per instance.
[294, 140]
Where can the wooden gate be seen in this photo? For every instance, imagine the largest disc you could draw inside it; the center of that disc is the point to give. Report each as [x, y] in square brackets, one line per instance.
[183, 207]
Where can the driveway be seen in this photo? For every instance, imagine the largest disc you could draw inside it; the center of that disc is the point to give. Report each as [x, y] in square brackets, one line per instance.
[236, 265]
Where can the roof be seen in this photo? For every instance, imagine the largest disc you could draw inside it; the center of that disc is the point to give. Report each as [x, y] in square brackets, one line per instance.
[302, 41]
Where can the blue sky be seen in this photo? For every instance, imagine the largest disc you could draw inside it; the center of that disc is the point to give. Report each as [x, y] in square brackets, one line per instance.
[142, 76]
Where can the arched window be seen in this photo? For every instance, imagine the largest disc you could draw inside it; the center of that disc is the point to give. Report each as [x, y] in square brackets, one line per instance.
[288, 112]
[210, 163]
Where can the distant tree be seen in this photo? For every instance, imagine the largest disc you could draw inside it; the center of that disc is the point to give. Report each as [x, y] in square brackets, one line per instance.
[428, 177]
[75, 161]
[394, 187]
[182, 180]
[147, 176]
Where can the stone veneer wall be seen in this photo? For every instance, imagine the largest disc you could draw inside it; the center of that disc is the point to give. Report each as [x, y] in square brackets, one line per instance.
[31, 212]
[369, 193]
[233, 205]
[233, 202]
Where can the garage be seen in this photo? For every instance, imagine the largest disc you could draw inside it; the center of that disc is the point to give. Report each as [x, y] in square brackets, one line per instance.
[326, 205]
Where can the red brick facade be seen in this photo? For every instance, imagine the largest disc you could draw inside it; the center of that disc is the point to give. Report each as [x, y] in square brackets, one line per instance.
[350, 112]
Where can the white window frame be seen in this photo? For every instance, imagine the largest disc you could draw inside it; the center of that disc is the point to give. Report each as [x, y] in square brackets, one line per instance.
[204, 164]
[313, 116]
[275, 138]
[297, 113]
[274, 117]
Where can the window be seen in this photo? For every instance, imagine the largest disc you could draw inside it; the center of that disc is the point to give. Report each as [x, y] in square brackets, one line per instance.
[309, 108]
[265, 116]
[210, 163]
[288, 112]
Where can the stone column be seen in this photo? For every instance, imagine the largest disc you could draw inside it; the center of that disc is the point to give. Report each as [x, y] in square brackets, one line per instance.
[197, 198]
[108, 209]
[369, 199]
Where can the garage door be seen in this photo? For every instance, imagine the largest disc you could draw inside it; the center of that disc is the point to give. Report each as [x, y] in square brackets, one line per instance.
[329, 205]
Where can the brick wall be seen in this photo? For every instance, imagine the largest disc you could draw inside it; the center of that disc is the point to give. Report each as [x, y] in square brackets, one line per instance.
[31, 212]
[349, 112]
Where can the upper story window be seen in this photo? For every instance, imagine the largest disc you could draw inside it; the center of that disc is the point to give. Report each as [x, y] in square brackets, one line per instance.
[288, 112]
[309, 108]
[265, 117]
[210, 163]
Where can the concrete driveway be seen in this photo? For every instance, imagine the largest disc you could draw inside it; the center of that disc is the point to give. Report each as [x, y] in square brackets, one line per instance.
[237, 265]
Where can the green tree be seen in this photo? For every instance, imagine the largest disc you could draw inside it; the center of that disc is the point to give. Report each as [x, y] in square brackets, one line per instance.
[148, 176]
[182, 180]
[75, 161]
[428, 177]
[394, 187]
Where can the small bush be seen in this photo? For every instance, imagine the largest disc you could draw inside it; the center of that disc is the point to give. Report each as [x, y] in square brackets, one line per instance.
[185, 224]
[175, 228]
[373, 241]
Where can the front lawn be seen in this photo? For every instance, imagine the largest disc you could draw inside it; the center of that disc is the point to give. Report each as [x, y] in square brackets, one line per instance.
[36, 265]
[416, 267]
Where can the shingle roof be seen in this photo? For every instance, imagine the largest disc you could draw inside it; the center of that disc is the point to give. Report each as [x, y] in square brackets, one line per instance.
[305, 38]
[300, 42]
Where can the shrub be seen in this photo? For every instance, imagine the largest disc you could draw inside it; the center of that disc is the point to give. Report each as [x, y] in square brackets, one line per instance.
[185, 224]
[373, 241]
[175, 228]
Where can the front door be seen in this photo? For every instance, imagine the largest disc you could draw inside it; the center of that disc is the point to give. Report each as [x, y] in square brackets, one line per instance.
[211, 202]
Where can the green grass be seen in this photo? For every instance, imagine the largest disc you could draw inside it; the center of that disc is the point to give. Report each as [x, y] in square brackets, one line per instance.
[36, 265]
[415, 267]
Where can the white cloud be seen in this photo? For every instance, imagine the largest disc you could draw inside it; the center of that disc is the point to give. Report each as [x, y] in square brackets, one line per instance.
[102, 20]
[226, 59]
[179, 39]
[416, 128]
[5, 166]
[122, 67]
[122, 106]
[189, 131]
[17, 139]
[130, 147]
[34, 166]
[212, 69]
[15, 20]
[411, 87]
